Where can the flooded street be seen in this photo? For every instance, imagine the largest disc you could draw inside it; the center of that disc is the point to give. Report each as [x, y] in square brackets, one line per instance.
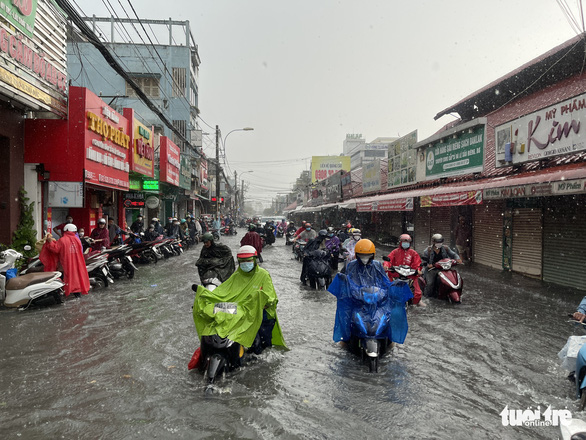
[114, 364]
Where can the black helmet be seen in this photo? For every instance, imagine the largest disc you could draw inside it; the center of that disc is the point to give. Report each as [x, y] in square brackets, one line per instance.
[207, 237]
[323, 232]
[251, 227]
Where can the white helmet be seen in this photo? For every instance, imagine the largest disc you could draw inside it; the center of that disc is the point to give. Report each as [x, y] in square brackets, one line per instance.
[246, 252]
[70, 227]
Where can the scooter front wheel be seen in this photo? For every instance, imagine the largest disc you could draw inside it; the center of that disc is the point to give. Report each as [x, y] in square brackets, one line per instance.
[373, 364]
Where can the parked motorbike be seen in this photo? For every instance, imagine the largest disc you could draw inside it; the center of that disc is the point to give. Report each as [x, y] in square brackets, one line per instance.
[38, 288]
[369, 324]
[449, 282]
[98, 270]
[318, 269]
[120, 262]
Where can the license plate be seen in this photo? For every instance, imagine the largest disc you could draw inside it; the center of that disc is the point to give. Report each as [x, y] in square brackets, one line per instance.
[104, 271]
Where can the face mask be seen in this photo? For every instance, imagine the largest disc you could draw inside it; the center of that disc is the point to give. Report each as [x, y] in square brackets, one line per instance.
[81, 235]
[438, 245]
[405, 245]
[356, 237]
[247, 266]
[365, 260]
[308, 229]
[330, 235]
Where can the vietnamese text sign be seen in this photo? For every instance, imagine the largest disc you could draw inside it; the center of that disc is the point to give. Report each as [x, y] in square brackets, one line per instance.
[21, 14]
[401, 204]
[324, 166]
[371, 176]
[552, 131]
[402, 161]
[519, 191]
[169, 161]
[462, 155]
[453, 199]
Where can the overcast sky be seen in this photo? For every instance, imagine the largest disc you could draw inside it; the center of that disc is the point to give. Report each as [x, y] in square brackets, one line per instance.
[305, 73]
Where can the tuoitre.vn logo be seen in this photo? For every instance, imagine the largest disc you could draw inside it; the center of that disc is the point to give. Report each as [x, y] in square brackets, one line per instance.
[534, 417]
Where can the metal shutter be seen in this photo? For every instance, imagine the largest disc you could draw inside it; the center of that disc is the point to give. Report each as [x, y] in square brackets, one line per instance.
[441, 224]
[422, 233]
[487, 233]
[564, 238]
[527, 241]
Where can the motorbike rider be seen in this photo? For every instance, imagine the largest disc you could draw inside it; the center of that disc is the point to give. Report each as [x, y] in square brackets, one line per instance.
[151, 234]
[138, 225]
[343, 232]
[333, 247]
[270, 232]
[100, 235]
[291, 227]
[251, 238]
[86, 242]
[307, 235]
[350, 243]
[175, 230]
[301, 228]
[363, 272]
[405, 255]
[215, 260]
[318, 243]
[254, 323]
[158, 227]
[437, 251]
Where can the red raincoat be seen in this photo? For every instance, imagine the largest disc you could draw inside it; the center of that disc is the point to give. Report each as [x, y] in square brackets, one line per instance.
[252, 239]
[411, 258]
[69, 252]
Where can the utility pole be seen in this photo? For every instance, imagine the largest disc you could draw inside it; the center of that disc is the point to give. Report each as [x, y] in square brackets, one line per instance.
[236, 193]
[217, 172]
[242, 194]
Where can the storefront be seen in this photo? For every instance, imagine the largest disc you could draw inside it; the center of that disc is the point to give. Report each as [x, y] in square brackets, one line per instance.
[91, 151]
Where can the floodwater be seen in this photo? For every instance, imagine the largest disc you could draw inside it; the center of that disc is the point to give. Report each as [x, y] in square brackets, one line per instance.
[114, 365]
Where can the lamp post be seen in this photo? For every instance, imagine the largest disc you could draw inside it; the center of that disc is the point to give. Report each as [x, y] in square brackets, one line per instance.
[218, 162]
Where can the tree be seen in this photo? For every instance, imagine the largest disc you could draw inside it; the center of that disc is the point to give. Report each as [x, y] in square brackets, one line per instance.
[25, 234]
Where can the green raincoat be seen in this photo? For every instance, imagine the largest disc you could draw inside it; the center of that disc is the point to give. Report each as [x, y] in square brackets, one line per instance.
[234, 310]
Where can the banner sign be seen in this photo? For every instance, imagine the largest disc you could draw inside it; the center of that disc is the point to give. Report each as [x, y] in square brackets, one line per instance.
[333, 187]
[455, 156]
[519, 191]
[142, 156]
[402, 204]
[569, 186]
[169, 161]
[453, 199]
[371, 176]
[324, 166]
[552, 131]
[21, 14]
[65, 195]
[402, 161]
[185, 172]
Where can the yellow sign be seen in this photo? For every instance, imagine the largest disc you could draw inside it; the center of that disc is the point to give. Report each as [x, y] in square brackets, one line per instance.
[324, 166]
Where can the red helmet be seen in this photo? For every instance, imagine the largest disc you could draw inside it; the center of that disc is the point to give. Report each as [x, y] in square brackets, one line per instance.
[405, 237]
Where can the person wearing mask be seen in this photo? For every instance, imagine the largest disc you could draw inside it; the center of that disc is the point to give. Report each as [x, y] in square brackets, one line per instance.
[191, 230]
[307, 235]
[254, 325]
[362, 273]
[251, 238]
[86, 242]
[158, 227]
[175, 230]
[151, 234]
[137, 226]
[100, 236]
[404, 255]
[350, 243]
[113, 230]
[333, 247]
[68, 251]
[215, 260]
[316, 244]
[58, 230]
[301, 228]
[437, 251]
[168, 226]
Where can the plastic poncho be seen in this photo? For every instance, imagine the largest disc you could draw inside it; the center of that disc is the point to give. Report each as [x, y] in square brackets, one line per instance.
[69, 252]
[350, 290]
[234, 310]
[349, 244]
[216, 261]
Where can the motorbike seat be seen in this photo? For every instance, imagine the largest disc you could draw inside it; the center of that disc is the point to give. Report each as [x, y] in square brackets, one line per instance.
[23, 281]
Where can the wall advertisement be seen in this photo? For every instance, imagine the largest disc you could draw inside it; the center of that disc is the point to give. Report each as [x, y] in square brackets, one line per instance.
[456, 155]
[402, 161]
[324, 166]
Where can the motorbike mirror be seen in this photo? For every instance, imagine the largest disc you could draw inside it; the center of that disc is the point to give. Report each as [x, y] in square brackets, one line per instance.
[194, 287]
[385, 258]
[27, 247]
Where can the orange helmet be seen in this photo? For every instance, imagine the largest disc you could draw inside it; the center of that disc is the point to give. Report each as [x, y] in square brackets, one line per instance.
[364, 246]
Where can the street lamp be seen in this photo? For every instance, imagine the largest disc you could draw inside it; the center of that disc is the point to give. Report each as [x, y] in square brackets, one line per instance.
[218, 162]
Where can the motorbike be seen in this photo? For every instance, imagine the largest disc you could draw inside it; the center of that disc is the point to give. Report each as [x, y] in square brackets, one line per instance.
[280, 231]
[228, 230]
[289, 238]
[215, 233]
[449, 283]
[98, 270]
[120, 262]
[405, 273]
[298, 248]
[38, 288]
[318, 269]
[369, 325]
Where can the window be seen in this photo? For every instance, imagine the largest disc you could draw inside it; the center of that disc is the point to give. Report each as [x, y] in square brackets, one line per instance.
[148, 84]
[182, 127]
[179, 75]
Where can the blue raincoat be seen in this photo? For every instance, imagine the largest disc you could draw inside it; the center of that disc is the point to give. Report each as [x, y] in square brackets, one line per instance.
[367, 289]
